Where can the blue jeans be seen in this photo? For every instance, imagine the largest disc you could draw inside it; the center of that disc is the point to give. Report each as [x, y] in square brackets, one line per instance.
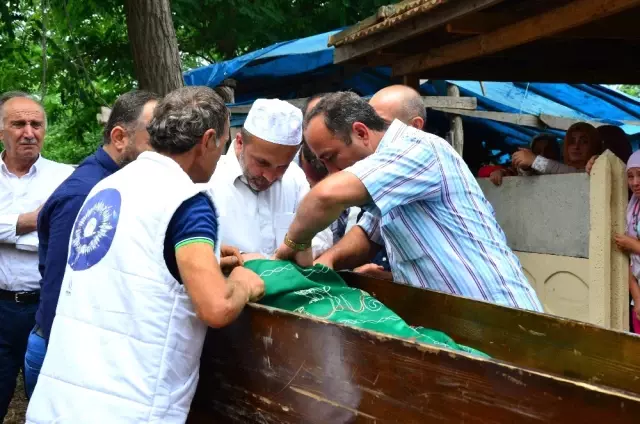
[33, 359]
[16, 320]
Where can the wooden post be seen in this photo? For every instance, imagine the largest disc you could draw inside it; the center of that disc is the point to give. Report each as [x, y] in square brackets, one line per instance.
[456, 137]
[412, 81]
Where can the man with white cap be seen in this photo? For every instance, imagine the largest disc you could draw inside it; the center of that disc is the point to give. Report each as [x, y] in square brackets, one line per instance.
[256, 187]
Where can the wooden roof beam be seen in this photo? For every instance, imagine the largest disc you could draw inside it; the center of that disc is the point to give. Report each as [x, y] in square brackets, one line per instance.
[479, 23]
[542, 121]
[406, 29]
[547, 24]
[461, 103]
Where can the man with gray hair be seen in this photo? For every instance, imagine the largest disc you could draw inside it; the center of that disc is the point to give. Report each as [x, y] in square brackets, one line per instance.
[26, 181]
[143, 279]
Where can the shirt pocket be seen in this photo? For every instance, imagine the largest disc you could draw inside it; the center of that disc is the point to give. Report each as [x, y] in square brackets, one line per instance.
[404, 238]
[282, 221]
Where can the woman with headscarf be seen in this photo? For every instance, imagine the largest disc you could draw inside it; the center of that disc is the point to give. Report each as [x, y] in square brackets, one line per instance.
[629, 242]
[581, 142]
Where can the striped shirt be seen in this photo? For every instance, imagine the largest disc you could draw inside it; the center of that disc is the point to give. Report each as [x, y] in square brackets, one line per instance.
[439, 229]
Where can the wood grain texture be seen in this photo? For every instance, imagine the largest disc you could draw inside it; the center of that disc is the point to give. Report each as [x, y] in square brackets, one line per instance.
[276, 367]
[368, 39]
[444, 102]
[564, 18]
[543, 342]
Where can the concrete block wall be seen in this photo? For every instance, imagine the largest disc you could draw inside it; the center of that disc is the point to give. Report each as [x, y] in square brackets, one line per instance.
[561, 227]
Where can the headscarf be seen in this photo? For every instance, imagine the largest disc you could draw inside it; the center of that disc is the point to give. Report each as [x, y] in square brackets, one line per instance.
[634, 160]
[633, 215]
[614, 139]
[595, 143]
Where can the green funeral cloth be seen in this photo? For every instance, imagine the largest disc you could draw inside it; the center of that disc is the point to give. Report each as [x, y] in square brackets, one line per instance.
[321, 293]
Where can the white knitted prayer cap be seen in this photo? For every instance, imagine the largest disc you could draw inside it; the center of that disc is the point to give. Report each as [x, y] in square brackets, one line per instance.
[275, 121]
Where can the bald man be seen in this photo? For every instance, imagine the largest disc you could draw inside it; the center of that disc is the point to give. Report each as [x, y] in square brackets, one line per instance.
[402, 103]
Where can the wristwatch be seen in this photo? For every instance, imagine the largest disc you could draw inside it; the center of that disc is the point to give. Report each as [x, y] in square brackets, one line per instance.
[298, 247]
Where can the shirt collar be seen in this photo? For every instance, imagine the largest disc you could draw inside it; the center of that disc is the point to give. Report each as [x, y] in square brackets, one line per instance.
[34, 168]
[106, 161]
[235, 170]
[396, 128]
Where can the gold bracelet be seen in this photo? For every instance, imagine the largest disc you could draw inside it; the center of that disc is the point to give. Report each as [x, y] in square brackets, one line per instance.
[298, 247]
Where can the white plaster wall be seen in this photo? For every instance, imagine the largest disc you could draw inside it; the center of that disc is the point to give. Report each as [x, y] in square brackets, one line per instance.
[561, 282]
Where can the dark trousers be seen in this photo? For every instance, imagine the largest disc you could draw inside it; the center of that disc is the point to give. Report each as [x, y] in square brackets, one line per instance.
[16, 322]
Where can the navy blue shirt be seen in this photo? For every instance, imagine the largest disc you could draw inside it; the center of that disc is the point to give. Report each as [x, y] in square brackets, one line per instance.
[55, 223]
[193, 222]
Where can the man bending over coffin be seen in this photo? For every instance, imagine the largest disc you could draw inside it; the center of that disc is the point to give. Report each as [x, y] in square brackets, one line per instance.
[142, 280]
[422, 201]
[256, 188]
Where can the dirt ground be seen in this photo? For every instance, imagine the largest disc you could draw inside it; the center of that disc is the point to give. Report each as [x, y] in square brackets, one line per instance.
[18, 405]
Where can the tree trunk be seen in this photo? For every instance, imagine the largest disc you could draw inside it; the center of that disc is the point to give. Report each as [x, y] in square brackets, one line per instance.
[156, 58]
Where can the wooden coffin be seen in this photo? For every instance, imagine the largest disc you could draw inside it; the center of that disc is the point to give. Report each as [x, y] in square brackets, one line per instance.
[272, 366]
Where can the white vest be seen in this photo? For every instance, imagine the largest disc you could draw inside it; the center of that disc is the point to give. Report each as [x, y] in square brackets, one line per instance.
[125, 344]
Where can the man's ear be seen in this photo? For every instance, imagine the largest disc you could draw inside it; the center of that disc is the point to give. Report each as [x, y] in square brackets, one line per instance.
[119, 138]
[417, 122]
[209, 139]
[239, 142]
[361, 131]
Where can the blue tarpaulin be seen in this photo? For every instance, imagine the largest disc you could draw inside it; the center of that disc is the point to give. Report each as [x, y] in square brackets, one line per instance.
[299, 68]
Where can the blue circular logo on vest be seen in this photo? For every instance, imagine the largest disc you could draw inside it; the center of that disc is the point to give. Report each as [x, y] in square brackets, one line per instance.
[94, 229]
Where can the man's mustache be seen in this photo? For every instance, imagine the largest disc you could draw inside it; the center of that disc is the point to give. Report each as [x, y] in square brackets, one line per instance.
[28, 141]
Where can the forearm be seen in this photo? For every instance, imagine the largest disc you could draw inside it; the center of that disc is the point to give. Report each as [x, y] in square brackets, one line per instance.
[27, 223]
[548, 166]
[353, 250]
[634, 248]
[237, 296]
[316, 212]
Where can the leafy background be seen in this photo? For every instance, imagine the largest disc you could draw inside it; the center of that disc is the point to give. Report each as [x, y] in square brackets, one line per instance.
[89, 57]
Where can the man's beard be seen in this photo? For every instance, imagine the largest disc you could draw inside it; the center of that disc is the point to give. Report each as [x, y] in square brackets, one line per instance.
[256, 184]
[128, 155]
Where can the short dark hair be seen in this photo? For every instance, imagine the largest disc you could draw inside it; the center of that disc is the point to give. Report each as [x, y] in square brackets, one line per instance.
[183, 116]
[126, 111]
[552, 141]
[318, 167]
[341, 110]
[305, 106]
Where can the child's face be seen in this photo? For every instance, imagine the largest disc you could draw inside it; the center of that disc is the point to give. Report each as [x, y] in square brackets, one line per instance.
[633, 178]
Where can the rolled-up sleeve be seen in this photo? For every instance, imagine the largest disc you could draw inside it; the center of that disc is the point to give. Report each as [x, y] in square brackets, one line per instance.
[371, 226]
[548, 166]
[8, 224]
[400, 174]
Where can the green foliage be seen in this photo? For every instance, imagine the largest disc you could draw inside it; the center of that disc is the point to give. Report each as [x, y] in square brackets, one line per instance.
[632, 90]
[89, 59]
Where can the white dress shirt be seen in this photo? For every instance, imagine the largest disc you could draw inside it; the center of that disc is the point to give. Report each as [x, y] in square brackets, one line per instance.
[257, 222]
[18, 195]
